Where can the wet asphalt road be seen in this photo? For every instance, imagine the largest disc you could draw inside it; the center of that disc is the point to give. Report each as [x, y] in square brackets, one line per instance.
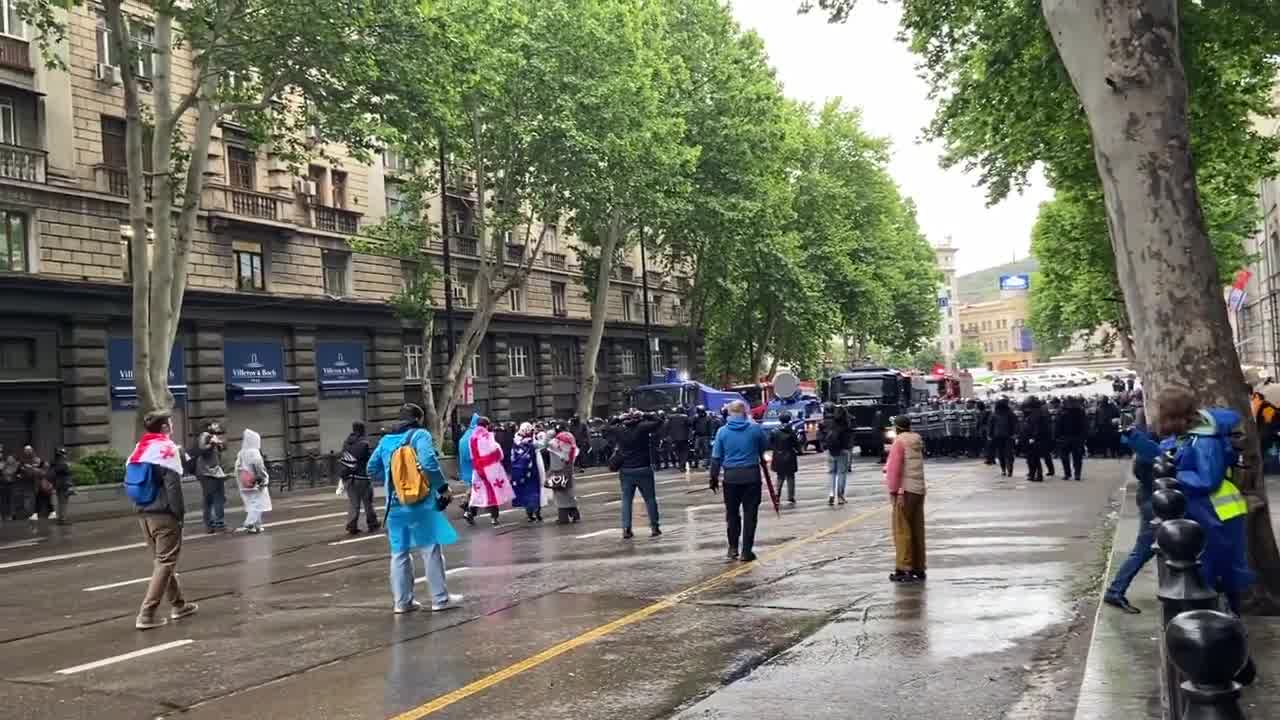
[570, 621]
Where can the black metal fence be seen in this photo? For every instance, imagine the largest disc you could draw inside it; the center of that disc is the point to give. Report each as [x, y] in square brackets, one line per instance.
[1204, 650]
[304, 471]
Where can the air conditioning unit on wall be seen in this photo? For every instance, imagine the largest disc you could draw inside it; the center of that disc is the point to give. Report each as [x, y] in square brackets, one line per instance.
[307, 187]
[109, 74]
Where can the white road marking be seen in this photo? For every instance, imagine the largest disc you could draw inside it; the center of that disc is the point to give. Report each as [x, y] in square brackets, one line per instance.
[512, 510]
[127, 656]
[595, 534]
[335, 560]
[672, 482]
[135, 546]
[358, 539]
[122, 583]
[450, 571]
[696, 508]
[21, 544]
[606, 492]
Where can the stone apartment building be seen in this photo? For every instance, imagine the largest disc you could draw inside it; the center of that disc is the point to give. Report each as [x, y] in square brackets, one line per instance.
[1000, 328]
[284, 329]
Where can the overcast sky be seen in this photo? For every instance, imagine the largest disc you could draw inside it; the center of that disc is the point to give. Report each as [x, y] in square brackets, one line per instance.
[861, 62]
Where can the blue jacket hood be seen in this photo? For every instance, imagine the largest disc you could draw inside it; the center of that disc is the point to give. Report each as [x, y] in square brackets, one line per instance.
[1217, 421]
[739, 424]
[740, 443]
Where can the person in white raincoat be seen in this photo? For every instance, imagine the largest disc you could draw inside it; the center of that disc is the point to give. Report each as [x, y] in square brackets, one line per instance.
[253, 480]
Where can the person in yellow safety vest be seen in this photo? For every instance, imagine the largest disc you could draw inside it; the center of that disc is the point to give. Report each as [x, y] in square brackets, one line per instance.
[1205, 460]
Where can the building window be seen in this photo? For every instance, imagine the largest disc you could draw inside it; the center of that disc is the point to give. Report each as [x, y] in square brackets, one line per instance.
[17, 353]
[551, 239]
[655, 307]
[13, 241]
[518, 361]
[144, 46]
[628, 361]
[657, 361]
[335, 272]
[464, 289]
[114, 153]
[412, 362]
[338, 187]
[515, 299]
[477, 365]
[396, 162]
[10, 23]
[395, 200]
[250, 270]
[8, 122]
[562, 360]
[559, 306]
[628, 299]
[241, 167]
[459, 218]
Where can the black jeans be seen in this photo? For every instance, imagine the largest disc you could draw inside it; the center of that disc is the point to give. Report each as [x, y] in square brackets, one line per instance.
[741, 511]
[787, 481]
[6, 500]
[1072, 457]
[360, 493]
[681, 452]
[214, 505]
[22, 500]
[1035, 471]
[1004, 453]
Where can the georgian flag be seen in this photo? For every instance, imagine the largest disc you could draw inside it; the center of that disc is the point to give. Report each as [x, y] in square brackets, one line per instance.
[157, 449]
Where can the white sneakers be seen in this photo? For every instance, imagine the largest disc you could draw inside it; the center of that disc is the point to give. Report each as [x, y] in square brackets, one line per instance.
[451, 604]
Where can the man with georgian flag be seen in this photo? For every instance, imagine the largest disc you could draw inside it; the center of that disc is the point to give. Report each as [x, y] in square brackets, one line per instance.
[153, 480]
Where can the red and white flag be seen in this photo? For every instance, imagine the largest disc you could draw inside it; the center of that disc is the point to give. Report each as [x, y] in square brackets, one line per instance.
[157, 449]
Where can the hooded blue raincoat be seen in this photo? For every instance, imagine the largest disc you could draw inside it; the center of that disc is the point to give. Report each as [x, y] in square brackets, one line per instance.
[464, 450]
[1203, 458]
[410, 527]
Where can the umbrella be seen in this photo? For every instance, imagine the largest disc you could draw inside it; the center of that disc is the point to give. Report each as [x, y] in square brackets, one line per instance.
[773, 494]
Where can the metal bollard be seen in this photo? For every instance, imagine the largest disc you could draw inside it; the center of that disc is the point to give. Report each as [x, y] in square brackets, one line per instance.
[1210, 648]
[1182, 589]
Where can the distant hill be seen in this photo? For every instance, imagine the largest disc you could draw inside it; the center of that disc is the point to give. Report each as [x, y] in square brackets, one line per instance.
[984, 285]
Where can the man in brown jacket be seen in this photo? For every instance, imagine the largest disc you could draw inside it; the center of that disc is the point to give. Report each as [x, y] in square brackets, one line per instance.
[904, 478]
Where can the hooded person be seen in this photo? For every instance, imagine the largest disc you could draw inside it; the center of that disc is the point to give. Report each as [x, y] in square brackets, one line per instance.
[490, 484]
[1001, 428]
[464, 461]
[738, 452]
[356, 452]
[562, 451]
[786, 452]
[254, 482]
[527, 473]
[419, 527]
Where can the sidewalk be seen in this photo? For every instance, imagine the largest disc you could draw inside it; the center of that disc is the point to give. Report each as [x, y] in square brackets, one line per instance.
[1122, 675]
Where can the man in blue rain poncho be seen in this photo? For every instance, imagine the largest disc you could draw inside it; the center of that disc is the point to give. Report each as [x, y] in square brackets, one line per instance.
[421, 527]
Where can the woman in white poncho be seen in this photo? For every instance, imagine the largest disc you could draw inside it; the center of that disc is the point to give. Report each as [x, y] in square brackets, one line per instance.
[252, 477]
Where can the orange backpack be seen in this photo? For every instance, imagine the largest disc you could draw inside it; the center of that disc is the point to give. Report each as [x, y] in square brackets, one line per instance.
[407, 479]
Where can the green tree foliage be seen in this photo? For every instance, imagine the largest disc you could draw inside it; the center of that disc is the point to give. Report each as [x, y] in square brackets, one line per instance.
[970, 356]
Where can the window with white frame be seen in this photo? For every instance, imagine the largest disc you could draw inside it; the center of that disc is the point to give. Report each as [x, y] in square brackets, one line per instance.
[412, 362]
[13, 241]
[628, 301]
[551, 238]
[655, 306]
[518, 361]
[628, 361]
[559, 299]
[658, 361]
[464, 289]
[10, 23]
[396, 203]
[477, 365]
[396, 162]
[8, 122]
[144, 47]
[335, 272]
[515, 299]
[562, 356]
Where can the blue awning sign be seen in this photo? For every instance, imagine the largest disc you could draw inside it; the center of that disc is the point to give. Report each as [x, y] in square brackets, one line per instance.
[124, 392]
[255, 370]
[340, 368]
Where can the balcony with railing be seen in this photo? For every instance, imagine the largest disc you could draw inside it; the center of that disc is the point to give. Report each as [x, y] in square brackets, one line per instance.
[115, 180]
[333, 219]
[15, 53]
[555, 261]
[21, 163]
[466, 245]
[235, 203]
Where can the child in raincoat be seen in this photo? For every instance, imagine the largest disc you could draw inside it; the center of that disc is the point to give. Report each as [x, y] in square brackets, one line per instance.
[253, 480]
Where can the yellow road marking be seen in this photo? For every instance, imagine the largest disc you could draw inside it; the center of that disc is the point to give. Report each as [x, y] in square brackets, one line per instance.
[594, 634]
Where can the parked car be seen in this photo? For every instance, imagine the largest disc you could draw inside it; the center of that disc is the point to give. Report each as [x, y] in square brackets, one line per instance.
[1120, 372]
[1080, 378]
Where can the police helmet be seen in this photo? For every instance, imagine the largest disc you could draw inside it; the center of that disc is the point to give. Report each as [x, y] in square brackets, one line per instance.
[785, 417]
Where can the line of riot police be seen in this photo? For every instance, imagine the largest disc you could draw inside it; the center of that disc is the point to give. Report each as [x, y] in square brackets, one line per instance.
[683, 441]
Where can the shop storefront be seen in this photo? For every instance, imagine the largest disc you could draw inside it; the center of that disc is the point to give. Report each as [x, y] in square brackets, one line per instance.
[344, 384]
[256, 393]
[124, 393]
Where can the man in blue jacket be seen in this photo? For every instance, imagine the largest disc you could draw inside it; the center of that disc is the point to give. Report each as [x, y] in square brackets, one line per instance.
[738, 450]
[421, 527]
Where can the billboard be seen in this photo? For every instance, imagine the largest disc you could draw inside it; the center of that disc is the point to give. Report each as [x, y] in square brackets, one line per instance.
[1015, 283]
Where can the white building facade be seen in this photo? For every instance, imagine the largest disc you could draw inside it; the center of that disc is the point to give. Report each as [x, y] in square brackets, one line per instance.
[948, 338]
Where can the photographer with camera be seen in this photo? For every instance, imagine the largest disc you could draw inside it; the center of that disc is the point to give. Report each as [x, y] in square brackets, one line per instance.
[634, 464]
[212, 477]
